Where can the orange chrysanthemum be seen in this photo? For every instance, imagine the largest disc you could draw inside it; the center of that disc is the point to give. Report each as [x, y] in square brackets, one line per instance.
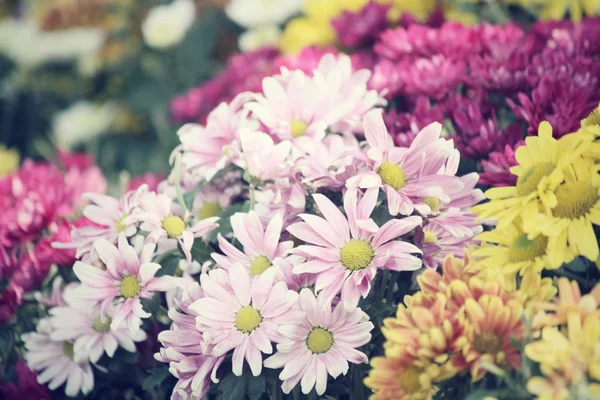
[398, 379]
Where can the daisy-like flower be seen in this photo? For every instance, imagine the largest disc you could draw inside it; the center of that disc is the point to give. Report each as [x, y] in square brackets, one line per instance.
[437, 243]
[570, 223]
[206, 150]
[211, 201]
[164, 219]
[537, 160]
[126, 280]
[262, 248]
[183, 348]
[184, 270]
[111, 217]
[321, 344]
[331, 162]
[262, 158]
[244, 314]
[286, 197]
[54, 361]
[90, 335]
[406, 174]
[346, 251]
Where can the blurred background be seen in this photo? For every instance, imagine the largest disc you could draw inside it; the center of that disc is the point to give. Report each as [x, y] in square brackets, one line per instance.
[98, 76]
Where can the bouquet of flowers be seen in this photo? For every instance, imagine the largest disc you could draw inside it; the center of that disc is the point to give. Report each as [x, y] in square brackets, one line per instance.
[323, 232]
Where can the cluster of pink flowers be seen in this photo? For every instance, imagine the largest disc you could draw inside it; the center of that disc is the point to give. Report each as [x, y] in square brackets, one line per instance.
[39, 205]
[327, 211]
[450, 73]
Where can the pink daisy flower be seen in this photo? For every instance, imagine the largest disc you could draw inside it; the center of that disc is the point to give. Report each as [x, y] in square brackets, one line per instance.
[346, 252]
[437, 243]
[80, 323]
[54, 361]
[164, 219]
[330, 163]
[262, 158]
[206, 150]
[286, 197]
[110, 217]
[244, 314]
[321, 345]
[184, 349]
[262, 248]
[126, 280]
[406, 174]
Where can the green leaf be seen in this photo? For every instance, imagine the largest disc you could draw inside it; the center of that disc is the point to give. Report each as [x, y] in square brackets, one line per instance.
[233, 387]
[482, 394]
[155, 378]
[200, 251]
[152, 305]
[255, 386]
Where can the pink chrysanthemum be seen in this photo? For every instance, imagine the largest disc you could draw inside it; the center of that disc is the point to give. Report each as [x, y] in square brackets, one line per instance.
[244, 314]
[437, 243]
[150, 179]
[55, 363]
[262, 158]
[406, 174]
[262, 248]
[184, 348]
[110, 218]
[126, 280]
[346, 252]
[286, 197]
[26, 387]
[321, 345]
[496, 170]
[165, 219]
[82, 325]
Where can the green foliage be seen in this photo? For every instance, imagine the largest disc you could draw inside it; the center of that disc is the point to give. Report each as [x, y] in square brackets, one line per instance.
[242, 387]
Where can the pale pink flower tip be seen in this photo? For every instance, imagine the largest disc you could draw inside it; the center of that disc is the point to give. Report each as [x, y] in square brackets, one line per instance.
[321, 345]
[346, 251]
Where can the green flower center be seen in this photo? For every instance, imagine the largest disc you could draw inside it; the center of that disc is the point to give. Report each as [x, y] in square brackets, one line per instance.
[247, 319]
[209, 210]
[173, 225]
[432, 202]
[429, 237]
[130, 287]
[392, 175]
[100, 326]
[575, 199]
[487, 342]
[120, 226]
[409, 380]
[523, 249]
[68, 350]
[528, 182]
[259, 265]
[298, 128]
[356, 254]
[319, 340]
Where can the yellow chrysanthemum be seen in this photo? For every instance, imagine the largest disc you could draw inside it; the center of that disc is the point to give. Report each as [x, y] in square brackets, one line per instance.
[533, 289]
[569, 360]
[593, 119]
[9, 160]
[398, 379]
[557, 9]
[569, 223]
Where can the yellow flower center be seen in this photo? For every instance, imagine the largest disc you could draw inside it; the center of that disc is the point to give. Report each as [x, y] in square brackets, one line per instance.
[173, 225]
[409, 380]
[432, 202]
[429, 237]
[356, 254]
[209, 210]
[528, 182]
[319, 340]
[298, 128]
[247, 319]
[487, 342]
[130, 287]
[68, 350]
[392, 175]
[575, 199]
[259, 265]
[120, 226]
[100, 326]
[523, 249]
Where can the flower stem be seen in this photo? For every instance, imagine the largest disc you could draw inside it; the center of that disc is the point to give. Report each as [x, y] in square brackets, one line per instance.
[252, 190]
[358, 390]
[497, 11]
[180, 198]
